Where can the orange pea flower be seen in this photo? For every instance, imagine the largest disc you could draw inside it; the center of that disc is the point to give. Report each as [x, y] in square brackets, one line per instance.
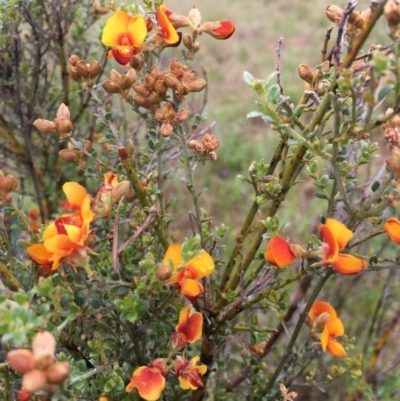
[189, 329]
[218, 29]
[337, 236]
[149, 380]
[324, 315]
[66, 236]
[279, 252]
[195, 269]
[189, 373]
[126, 34]
[392, 228]
[167, 30]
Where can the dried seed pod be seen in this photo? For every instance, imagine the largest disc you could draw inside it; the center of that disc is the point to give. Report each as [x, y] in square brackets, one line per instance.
[34, 380]
[21, 360]
[58, 372]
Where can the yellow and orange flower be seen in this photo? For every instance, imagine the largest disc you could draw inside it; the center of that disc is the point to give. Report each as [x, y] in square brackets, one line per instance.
[66, 236]
[279, 252]
[125, 33]
[195, 269]
[337, 236]
[167, 30]
[323, 316]
[149, 380]
[392, 228]
[188, 372]
[189, 329]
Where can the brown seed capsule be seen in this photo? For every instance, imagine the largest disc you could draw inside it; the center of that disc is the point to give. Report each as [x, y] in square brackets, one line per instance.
[137, 62]
[82, 69]
[182, 115]
[87, 145]
[45, 126]
[63, 112]
[164, 272]
[99, 9]
[68, 155]
[21, 360]
[149, 82]
[160, 87]
[196, 47]
[154, 98]
[73, 59]
[140, 101]
[132, 75]
[94, 69]
[57, 373]
[34, 380]
[111, 87]
[141, 90]
[334, 13]
[197, 85]
[125, 82]
[392, 13]
[122, 189]
[74, 74]
[187, 41]
[172, 81]
[154, 72]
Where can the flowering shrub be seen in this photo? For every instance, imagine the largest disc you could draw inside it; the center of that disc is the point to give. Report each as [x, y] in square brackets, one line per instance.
[114, 300]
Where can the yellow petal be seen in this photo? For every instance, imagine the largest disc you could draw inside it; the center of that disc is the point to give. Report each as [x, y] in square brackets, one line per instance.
[392, 228]
[336, 349]
[75, 194]
[324, 338]
[341, 233]
[174, 255]
[202, 264]
[190, 287]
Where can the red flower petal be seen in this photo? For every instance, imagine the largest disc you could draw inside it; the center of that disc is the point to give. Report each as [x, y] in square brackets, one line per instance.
[279, 253]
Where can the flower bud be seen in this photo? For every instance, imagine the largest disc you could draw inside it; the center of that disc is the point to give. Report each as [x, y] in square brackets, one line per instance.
[149, 24]
[43, 348]
[73, 59]
[64, 126]
[87, 145]
[68, 155]
[166, 129]
[393, 162]
[195, 145]
[94, 69]
[334, 13]
[132, 75]
[194, 16]
[45, 126]
[187, 41]
[137, 62]
[305, 73]
[211, 156]
[182, 115]
[172, 81]
[21, 360]
[8, 184]
[111, 87]
[197, 85]
[297, 250]
[63, 112]
[122, 189]
[57, 373]
[392, 13]
[82, 69]
[164, 272]
[196, 47]
[34, 381]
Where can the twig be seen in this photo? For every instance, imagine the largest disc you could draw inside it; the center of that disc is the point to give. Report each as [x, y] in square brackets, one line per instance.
[326, 41]
[278, 64]
[140, 229]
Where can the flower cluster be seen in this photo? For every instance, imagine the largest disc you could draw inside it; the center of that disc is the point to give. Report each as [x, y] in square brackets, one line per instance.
[327, 326]
[38, 366]
[126, 33]
[66, 237]
[62, 123]
[207, 146]
[186, 279]
[336, 235]
[150, 380]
